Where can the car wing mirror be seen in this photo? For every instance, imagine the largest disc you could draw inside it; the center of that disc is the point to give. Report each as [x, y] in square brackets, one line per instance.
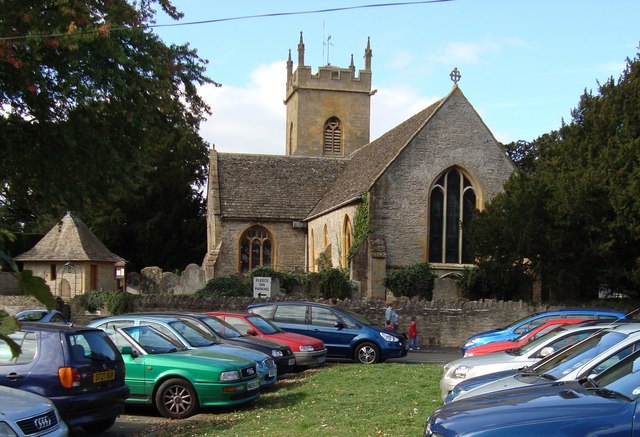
[546, 351]
[339, 325]
[251, 331]
[128, 350]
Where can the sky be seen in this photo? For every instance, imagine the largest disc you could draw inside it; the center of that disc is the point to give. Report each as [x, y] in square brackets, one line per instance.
[524, 63]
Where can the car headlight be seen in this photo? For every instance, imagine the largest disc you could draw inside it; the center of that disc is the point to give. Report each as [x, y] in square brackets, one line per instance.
[471, 342]
[389, 337]
[229, 375]
[306, 348]
[277, 353]
[460, 372]
[5, 430]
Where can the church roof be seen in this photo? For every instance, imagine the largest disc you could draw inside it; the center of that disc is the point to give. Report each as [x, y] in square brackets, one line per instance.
[268, 187]
[369, 162]
[69, 240]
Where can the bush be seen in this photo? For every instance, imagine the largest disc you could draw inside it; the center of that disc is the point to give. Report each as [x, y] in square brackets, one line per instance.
[415, 280]
[335, 283]
[490, 280]
[116, 302]
[228, 285]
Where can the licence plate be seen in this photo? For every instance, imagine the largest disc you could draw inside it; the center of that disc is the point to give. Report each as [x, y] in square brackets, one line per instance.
[253, 385]
[104, 376]
[321, 360]
[292, 361]
[273, 372]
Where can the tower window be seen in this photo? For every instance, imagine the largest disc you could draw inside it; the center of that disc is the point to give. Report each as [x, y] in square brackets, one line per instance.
[332, 137]
[451, 205]
[255, 249]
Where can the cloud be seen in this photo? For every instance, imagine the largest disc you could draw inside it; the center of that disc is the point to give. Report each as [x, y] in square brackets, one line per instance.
[251, 119]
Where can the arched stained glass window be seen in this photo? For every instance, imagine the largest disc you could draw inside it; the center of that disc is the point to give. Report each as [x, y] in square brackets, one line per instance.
[347, 240]
[255, 249]
[452, 202]
[332, 137]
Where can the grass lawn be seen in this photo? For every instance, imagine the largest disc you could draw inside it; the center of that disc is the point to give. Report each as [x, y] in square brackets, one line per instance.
[345, 399]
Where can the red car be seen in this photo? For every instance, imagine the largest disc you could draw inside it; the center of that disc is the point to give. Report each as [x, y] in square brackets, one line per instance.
[309, 351]
[525, 337]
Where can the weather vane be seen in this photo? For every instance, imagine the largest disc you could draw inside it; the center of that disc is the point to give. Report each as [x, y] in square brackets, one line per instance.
[455, 75]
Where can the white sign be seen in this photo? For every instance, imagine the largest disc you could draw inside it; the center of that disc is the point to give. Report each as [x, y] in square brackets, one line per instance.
[261, 287]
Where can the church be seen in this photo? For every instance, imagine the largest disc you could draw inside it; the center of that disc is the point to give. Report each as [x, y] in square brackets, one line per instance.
[413, 189]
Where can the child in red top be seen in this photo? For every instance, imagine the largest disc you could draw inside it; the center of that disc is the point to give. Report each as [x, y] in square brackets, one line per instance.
[414, 344]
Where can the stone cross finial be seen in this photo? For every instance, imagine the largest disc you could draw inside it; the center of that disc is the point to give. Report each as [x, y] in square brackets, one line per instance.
[455, 75]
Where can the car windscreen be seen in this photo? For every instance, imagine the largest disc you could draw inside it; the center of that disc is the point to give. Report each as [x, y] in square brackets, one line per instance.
[572, 358]
[220, 327]
[357, 317]
[622, 377]
[192, 335]
[532, 345]
[264, 325]
[150, 340]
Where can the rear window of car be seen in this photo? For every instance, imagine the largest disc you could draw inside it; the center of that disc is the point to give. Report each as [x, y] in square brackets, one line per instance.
[28, 342]
[91, 345]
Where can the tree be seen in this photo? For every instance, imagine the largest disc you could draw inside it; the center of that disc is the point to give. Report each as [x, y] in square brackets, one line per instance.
[99, 114]
[574, 216]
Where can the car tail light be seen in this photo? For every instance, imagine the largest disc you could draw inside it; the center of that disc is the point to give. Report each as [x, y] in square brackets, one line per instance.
[69, 377]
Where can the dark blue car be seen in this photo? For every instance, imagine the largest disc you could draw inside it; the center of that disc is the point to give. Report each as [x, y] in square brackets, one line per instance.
[78, 368]
[346, 335]
[606, 405]
[533, 321]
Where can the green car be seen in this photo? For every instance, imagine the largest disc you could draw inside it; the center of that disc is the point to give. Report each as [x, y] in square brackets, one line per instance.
[178, 381]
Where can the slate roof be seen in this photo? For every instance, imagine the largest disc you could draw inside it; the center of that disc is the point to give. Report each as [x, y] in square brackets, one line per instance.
[69, 240]
[273, 187]
[369, 162]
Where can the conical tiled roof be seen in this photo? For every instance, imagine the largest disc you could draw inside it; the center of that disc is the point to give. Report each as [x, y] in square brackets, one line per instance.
[69, 240]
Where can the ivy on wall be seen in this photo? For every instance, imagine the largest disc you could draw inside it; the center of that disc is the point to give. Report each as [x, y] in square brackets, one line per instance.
[360, 224]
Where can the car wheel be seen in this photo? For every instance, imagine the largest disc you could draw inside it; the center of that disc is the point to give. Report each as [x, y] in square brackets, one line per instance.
[101, 426]
[177, 399]
[367, 353]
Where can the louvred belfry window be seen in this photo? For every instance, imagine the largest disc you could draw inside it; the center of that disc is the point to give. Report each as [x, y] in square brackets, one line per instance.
[332, 137]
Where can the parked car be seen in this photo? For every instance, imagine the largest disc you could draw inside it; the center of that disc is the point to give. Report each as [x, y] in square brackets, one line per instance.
[519, 341]
[309, 351]
[581, 360]
[78, 368]
[463, 368]
[189, 336]
[281, 353]
[346, 334]
[27, 414]
[179, 381]
[41, 315]
[605, 405]
[534, 320]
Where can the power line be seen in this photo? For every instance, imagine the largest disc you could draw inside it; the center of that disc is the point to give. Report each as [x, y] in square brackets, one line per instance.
[220, 20]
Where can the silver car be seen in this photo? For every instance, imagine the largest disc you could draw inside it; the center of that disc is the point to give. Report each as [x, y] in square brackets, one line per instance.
[469, 367]
[27, 414]
[584, 359]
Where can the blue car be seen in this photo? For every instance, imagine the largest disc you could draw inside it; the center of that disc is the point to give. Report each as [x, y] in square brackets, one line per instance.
[606, 405]
[533, 321]
[79, 369]
[346, 335]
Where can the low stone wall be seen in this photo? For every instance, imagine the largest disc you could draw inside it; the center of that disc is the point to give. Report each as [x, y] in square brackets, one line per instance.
[440, 323]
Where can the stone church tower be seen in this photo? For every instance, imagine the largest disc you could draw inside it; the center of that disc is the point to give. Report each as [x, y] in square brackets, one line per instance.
[328, 113]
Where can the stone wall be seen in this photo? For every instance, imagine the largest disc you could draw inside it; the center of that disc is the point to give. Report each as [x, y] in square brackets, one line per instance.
[440, 323]
[152, 280]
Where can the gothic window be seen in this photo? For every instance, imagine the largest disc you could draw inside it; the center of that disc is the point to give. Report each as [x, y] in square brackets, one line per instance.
[347, 240]
[255, 249]
[332, 137]
[325, 237]
[452, 202]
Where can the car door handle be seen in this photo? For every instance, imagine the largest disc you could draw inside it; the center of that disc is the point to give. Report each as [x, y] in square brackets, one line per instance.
[13, 376]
